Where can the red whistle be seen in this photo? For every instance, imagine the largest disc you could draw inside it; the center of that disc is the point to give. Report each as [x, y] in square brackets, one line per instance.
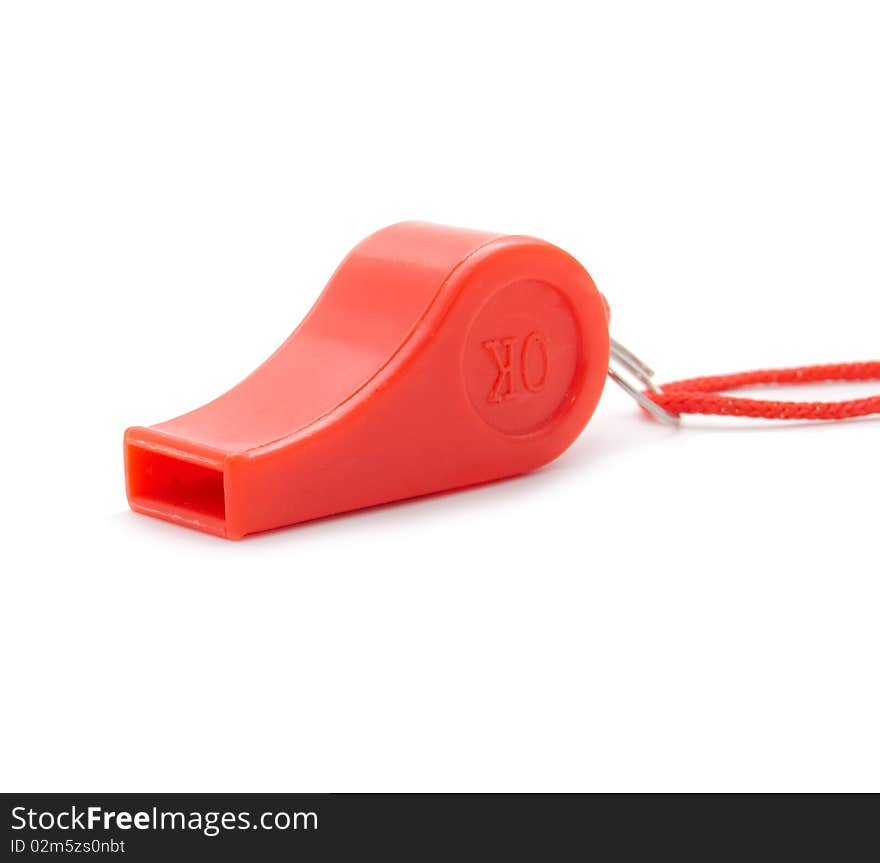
[435, 358]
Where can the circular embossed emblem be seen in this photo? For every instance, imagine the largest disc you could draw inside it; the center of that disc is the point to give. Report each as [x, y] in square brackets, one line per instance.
[521, 357]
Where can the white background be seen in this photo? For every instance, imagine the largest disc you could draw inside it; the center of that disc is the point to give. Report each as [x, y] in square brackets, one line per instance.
[658, 609]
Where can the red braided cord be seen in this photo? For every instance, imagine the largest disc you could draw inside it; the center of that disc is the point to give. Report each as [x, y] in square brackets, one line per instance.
[706, 395]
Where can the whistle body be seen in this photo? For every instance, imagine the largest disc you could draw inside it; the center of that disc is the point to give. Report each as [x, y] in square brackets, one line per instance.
[435, 358]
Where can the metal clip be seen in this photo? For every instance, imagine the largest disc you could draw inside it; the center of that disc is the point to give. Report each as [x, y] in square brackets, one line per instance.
[644, 374]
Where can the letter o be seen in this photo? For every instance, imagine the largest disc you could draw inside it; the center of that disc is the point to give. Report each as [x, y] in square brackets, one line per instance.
[537, 341]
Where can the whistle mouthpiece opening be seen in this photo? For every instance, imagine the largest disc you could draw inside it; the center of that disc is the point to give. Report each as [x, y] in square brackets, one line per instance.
[176, 486]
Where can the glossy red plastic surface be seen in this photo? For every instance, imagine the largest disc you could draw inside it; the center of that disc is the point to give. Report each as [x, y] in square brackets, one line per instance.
[435, 358]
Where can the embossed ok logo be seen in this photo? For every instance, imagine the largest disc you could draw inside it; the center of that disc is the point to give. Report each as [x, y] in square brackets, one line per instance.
[518, 366]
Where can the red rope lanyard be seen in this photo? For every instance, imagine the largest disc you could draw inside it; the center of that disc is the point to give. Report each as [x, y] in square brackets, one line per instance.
[707, 395]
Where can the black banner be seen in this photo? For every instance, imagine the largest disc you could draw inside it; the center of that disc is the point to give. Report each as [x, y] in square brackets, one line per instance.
[265, 827]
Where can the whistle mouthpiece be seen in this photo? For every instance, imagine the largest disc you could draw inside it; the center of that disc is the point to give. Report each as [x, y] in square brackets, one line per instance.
[435, 358]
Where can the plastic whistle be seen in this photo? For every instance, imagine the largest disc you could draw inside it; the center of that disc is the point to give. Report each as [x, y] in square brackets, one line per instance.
[436, 358]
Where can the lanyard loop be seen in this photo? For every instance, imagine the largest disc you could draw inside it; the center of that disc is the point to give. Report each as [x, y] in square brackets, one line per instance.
[707, 395]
